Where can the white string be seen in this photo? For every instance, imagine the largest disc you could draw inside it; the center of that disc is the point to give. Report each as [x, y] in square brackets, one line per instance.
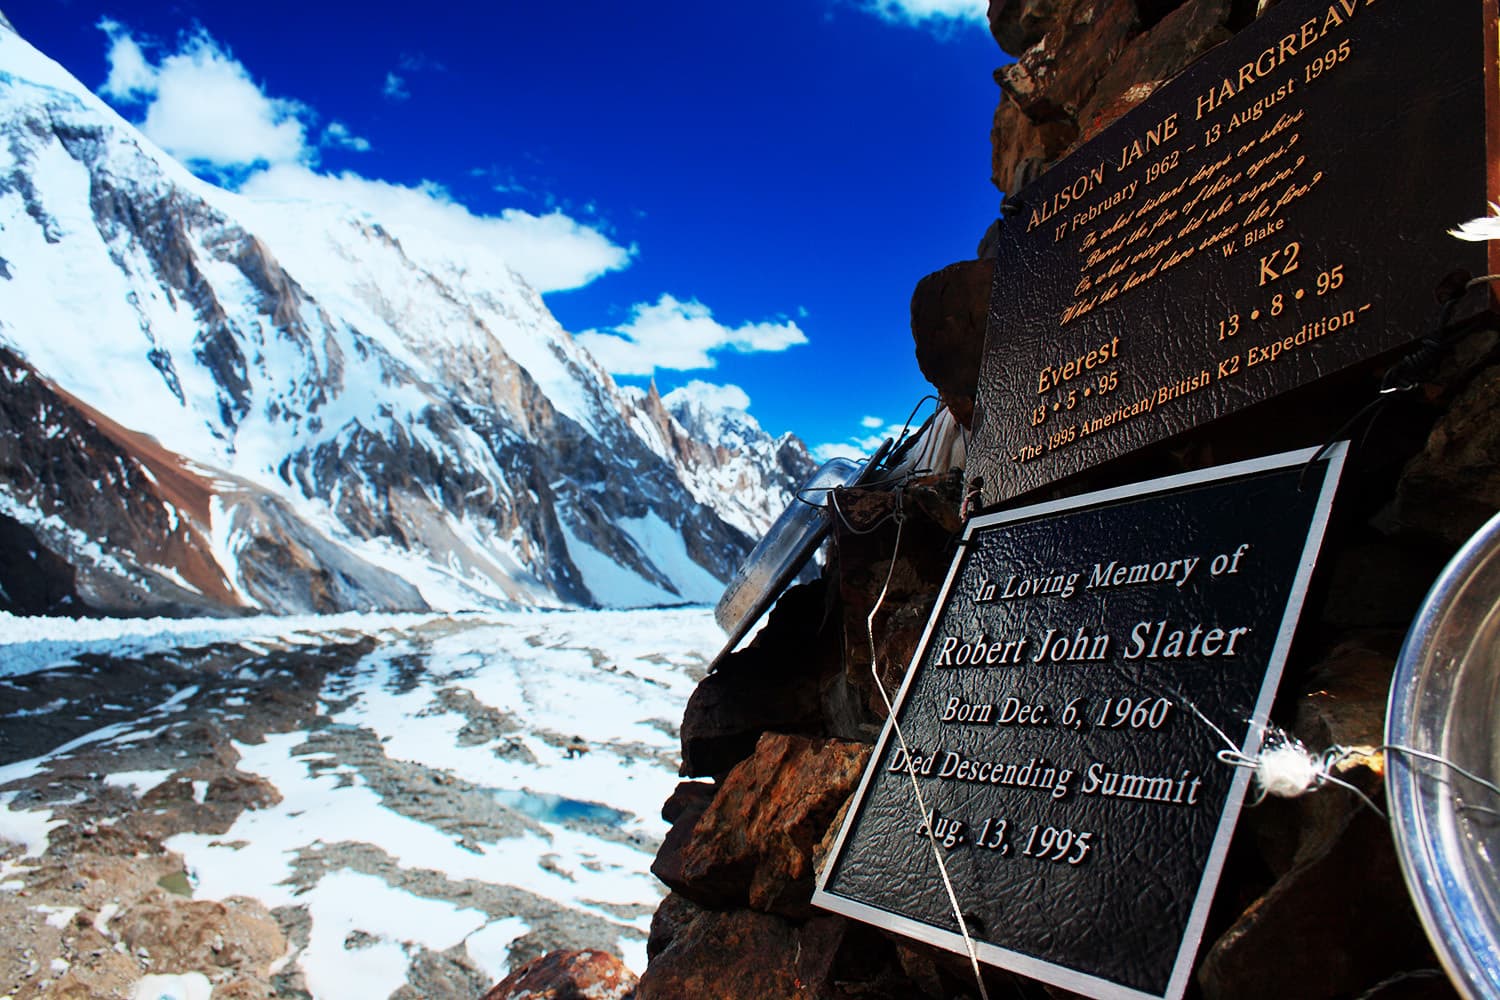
[1283, 766]
[937, 852]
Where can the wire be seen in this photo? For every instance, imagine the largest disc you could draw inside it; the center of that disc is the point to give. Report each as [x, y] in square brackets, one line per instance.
[937, 852]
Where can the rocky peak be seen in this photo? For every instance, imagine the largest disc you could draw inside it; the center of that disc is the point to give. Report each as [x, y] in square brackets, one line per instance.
[351, 396]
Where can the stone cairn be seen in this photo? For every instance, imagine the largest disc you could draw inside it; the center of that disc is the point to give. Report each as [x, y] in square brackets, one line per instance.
[1311, 903]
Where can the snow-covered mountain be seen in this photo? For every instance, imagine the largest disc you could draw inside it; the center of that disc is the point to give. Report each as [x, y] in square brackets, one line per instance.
[209, 401]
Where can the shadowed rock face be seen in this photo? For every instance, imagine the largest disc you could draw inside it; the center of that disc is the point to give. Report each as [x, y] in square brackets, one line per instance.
[949, 310]
[65, 471]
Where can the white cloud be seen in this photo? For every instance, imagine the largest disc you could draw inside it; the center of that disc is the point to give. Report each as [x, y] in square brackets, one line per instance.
[202, 106]
[858, 445]
[551, 252]
[395, 88]
[709, 396]
[681, 336]
[130, 75]
[826, 452]
[338, 135]
[929, 13]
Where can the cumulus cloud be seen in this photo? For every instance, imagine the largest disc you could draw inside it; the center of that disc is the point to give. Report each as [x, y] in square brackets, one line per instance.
[551, 252]
[709, 396]
[202, 106]
[828, 452]
[870, 423]
[681, 336]
[929, 13]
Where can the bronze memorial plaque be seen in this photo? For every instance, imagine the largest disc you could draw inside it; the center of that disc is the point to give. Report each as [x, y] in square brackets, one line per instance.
[1277, 212]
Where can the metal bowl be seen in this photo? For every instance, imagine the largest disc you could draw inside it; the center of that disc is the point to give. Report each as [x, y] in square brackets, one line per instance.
[1445, 702]
[778, 556]
[791, 541]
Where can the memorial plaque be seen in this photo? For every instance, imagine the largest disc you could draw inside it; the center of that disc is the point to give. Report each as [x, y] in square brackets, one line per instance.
[1056, 720]
[1276, 213]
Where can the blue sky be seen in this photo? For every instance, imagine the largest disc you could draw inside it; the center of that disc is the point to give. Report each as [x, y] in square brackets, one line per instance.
[738, 195]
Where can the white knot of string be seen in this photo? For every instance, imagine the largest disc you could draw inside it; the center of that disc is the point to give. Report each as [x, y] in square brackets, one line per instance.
[1284, 767]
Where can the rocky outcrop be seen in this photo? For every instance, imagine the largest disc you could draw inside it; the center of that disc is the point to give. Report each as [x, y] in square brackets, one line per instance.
[1080, 65]
[104, 520]
[949, 310]
[568, 975]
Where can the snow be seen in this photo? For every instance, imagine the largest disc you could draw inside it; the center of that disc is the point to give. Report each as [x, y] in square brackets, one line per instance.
[29, 644]
[28, 828]
[101, 920]
[57, 916]
[669, 552]
[610, 583]
[346, 902]
[614, 680]
[188, 986]
[489, 946]
[529, 667]
[139, 782]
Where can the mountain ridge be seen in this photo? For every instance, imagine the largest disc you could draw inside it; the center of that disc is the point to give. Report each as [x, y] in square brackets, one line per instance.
[377, 421]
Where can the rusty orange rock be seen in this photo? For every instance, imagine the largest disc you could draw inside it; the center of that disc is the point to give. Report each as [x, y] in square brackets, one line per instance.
[568, 975]
[754, 843]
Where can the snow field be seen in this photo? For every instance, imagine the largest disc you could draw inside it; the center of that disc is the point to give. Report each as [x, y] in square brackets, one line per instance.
[501, 710]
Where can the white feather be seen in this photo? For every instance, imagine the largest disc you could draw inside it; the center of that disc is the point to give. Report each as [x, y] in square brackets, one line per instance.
[1479, 230]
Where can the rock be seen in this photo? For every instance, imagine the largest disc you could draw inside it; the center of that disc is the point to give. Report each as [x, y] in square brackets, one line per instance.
[1337, 924]
[1021, 150]
[1451, 488]
[1379, 583]
[1346, 706]
[865, 544]
[1054, 78]
[688, 797]
[1080, 65]
[683, 810]
[754, 843]
[568, 975]
[183, 935]
[1019, 24]
[770, 686]
[1153, 58]
[949, 312]
[708, 954]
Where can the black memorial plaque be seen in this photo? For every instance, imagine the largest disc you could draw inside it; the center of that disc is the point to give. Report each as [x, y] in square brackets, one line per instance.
[1052, 715]
[1276, 213]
